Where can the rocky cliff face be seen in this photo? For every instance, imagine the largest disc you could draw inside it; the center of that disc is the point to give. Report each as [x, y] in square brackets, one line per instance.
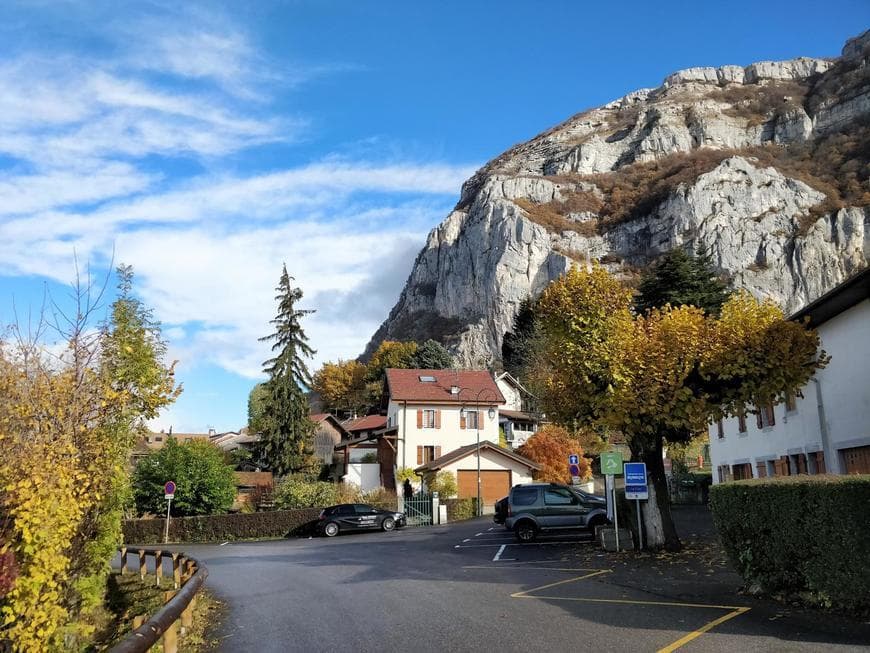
[765, 167]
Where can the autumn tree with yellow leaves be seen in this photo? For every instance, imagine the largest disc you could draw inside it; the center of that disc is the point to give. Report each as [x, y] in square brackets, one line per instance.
[661, 377]
[67, 425]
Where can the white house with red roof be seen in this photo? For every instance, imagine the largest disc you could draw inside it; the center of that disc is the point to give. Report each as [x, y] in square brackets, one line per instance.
[431, 414]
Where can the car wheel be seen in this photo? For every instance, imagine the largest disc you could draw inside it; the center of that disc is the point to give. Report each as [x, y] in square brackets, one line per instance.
[388, 524]
[331, 529]
[525, 531]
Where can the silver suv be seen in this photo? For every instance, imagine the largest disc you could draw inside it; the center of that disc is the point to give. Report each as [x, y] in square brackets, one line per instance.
[547, 507]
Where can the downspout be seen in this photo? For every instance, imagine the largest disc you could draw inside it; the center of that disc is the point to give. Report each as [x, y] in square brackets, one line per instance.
[832, 466]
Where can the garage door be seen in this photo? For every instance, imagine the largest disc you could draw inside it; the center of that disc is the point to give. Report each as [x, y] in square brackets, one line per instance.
[494, 484]
[857, 460]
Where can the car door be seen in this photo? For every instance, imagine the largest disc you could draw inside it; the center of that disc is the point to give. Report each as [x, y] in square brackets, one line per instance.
[367, 516]
[563, 508]
[346, 517]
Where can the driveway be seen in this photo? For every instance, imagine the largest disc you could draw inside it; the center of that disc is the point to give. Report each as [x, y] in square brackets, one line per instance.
[469, 586]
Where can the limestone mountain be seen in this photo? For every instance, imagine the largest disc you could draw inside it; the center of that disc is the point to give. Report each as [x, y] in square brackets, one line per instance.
[764, 167]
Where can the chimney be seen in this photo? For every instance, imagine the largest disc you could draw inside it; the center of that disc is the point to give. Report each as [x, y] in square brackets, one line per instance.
[211, 432]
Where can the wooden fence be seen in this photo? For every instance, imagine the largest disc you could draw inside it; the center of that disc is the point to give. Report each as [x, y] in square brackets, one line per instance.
[188, 575]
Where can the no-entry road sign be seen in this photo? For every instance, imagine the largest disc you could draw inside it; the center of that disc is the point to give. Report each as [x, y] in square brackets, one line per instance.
[169, 489]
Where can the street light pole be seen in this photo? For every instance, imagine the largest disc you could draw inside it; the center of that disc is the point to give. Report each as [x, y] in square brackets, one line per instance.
[477, 428]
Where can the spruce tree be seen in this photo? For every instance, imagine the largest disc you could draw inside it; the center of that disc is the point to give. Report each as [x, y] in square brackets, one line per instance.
[518, 344]
[431, 355]
[682, 279]
[285, 430]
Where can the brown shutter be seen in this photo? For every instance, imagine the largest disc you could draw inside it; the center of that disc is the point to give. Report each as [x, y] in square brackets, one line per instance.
[419, 418]
[758, 422]
[462, 421]
[419, 455]
[480, 421]
[437, 452]
[437, 419]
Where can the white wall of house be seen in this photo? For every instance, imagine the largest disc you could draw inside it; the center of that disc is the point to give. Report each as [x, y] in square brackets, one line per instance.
[448, 435]
[842, 388]
[513, 396]
[367, 476]
[490, 460]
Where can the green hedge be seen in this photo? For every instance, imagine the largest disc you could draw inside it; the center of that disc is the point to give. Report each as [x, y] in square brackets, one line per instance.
[459, 509]
[221, 528]
[805, 535]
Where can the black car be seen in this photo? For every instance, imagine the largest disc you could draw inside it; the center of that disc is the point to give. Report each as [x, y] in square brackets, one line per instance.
[501, 511]
[357, 517]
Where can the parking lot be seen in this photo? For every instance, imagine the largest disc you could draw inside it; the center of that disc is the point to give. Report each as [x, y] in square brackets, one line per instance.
[470, 586]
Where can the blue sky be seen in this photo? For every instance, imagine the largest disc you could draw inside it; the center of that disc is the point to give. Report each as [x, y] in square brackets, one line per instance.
[205, 144]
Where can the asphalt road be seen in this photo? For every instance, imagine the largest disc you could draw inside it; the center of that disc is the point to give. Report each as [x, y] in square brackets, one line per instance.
[470, 587]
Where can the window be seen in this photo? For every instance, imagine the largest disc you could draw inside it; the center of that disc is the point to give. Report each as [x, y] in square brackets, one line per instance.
[741, 472]
[346, 509]
[741, 422]
[471, 419]
[362, 509]
[525, 496]
[790, 402]
[765, 418]
[427, 379]
[720, 429]
[559, 496]
[428, 419]
[426, 454]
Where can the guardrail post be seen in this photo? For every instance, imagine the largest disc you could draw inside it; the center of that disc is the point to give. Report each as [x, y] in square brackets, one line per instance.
[170, 638]
[158, 566]
[123, 560]
[176, 569]
[187, 616]
[143, 569]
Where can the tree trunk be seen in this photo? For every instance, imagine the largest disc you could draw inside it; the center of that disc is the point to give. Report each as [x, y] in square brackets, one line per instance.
[658, 523]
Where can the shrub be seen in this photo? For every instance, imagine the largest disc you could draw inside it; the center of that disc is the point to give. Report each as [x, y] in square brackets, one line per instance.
[459, 509]
[221, 528]
[406, 473]
[205, 484]
[444, 483]
[380, 498]
[799, 535]
[294, 492]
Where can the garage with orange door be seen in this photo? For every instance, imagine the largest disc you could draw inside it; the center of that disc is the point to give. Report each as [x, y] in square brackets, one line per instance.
[494, 484]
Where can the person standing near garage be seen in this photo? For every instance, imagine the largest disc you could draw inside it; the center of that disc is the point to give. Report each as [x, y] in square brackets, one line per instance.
[407, 490]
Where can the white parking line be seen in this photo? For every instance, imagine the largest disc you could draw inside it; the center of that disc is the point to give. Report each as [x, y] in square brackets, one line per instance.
[476, 546]
[467, 539]
[498, 553]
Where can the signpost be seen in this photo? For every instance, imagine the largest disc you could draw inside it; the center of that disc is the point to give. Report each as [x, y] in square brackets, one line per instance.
[574, 468]
[169, 493]
[611, 465]
[636, 488]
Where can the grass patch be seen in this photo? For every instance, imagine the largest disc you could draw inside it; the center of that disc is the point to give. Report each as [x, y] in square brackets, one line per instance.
[128, 597]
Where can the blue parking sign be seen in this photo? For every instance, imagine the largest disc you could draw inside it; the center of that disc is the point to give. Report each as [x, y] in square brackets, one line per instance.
[635, 481]
[573, 459]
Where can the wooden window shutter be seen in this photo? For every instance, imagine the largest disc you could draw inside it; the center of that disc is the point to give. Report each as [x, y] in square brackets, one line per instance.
[419, 454]
[419, 418]
[480, 420]
[437, 419]
[758, 418]
[437, 452]
[462, 421]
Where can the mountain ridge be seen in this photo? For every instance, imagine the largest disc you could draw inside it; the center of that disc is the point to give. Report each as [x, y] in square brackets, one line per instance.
[765, 167]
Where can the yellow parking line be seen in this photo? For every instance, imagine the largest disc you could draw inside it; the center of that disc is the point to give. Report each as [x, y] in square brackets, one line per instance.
[703, 629]
[672, 604]
[536, 568]
[519, 595]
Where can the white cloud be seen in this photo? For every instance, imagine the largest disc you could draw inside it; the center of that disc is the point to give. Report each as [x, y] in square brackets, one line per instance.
[139, 157]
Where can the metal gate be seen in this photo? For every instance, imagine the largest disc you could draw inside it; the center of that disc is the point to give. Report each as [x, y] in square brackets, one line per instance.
[418, 510]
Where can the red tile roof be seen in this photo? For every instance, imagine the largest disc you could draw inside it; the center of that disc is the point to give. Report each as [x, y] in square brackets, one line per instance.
[367, 423]
[474, 385]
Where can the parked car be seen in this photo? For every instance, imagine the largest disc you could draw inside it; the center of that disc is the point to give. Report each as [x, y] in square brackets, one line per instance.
[501, 511]
[535, 508]
[357, 517]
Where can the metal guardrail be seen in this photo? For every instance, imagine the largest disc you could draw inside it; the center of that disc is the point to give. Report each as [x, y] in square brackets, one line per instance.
[188, 575]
